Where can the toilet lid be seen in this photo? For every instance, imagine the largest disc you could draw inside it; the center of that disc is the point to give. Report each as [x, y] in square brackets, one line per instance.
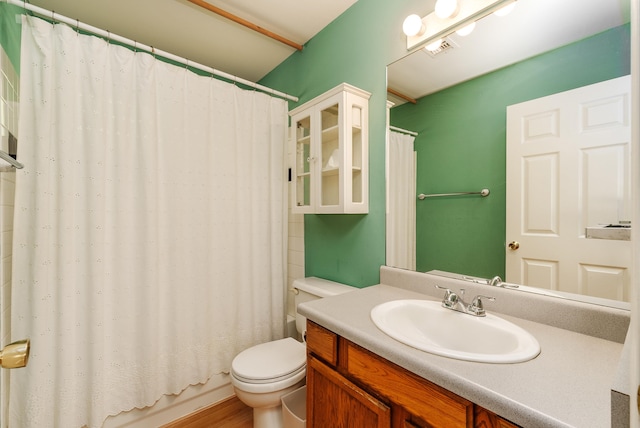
[271, 361]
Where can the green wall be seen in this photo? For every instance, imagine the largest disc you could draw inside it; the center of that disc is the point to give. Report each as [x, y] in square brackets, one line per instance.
[462, 144]
[10, 33]
[355, 48]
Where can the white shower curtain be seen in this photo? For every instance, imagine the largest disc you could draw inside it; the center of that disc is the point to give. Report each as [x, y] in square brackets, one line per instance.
[401, 213]
[149, 227]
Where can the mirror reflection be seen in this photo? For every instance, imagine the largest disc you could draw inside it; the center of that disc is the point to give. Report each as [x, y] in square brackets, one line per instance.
[543, 62]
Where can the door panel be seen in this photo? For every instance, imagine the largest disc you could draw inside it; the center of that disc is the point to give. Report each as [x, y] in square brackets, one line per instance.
[568, 168]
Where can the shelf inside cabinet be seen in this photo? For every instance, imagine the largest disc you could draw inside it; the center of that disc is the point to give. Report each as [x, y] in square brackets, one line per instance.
[330, 133]
[330, 171]
[304, 140]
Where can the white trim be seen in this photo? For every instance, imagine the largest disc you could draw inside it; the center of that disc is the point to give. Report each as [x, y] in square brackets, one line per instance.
[343, 87]
[634, 334]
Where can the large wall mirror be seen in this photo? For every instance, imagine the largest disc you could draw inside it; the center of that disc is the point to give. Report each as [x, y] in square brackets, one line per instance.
[464, 141]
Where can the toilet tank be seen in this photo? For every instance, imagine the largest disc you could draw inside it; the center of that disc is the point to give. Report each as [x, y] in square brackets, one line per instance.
[312, 288]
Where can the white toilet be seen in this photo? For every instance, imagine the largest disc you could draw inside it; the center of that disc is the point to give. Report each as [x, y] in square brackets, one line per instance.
[264, 373]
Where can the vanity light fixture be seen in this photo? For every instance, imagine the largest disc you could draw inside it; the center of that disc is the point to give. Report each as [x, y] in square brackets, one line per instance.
[413, 26]
[465, 31]
[445, 9]
[432, 47]
[448, 17]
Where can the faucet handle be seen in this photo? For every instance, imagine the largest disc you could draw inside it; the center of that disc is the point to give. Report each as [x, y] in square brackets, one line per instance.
[450, 298]
[476, 307]
[448, 290]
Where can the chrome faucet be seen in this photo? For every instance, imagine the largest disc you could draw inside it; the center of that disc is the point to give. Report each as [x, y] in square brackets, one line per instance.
[456, 302]
[496, 281]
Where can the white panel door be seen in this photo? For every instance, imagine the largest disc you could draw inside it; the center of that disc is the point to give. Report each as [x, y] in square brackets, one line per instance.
[568, 167]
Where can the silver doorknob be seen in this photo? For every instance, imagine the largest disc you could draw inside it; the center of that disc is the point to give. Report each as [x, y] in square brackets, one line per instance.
[514, 245]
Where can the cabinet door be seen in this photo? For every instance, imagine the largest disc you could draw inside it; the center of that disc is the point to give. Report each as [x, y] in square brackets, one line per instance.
[357, 155]
[431, 403]
[333, 401]
[486, 419]
[331, 181]
[301, 136]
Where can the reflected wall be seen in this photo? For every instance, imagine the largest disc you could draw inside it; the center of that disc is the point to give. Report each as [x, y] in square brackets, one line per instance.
[461, 147]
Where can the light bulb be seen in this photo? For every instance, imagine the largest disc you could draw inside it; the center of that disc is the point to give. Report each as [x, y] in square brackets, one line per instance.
[466, 30]
[413, 26]
[434, 46]
[446, 8]
[505, 10]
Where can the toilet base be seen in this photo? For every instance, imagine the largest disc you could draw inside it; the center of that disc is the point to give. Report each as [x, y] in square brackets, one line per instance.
[267, 417]
[267, 407]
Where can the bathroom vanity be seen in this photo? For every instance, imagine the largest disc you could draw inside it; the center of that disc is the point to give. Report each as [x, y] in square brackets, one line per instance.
[369, 386]
[358, 374]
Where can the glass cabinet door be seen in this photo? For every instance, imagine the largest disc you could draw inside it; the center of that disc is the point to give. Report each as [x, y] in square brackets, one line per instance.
[330, 155]
[357, 155]
[304, 158]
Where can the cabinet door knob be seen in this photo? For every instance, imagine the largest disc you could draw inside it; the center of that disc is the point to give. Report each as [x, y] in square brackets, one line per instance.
[514, 245]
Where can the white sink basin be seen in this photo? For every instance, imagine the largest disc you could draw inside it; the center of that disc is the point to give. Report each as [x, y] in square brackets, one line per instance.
[427, 326]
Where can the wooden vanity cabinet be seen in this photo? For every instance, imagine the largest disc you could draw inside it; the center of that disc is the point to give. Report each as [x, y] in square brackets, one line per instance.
[351, 387]
[337, 402]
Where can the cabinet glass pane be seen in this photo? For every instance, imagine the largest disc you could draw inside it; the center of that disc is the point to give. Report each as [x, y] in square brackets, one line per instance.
[356, 155]
[303, 158]
[330, 156]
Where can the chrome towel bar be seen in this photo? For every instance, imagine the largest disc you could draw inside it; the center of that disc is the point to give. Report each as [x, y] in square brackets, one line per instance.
[483, 193]
[14, 163]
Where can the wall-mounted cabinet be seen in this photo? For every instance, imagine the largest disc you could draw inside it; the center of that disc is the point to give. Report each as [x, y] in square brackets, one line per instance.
[331, 137]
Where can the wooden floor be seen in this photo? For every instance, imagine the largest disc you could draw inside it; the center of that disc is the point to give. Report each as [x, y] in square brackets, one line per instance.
[230, 413]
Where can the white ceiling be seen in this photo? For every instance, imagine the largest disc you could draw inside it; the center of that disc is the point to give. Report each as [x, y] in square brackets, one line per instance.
[184, 29]
[534, 27]
[190, 31]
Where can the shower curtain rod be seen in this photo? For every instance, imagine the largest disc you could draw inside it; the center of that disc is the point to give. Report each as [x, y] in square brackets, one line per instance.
[132, 43]
[404, 131]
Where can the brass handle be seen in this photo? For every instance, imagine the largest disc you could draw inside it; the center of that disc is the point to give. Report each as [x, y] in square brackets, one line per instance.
[514, 245]
[15, 355]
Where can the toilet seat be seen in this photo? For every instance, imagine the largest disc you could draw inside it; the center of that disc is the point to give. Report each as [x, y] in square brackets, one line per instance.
[270, 362]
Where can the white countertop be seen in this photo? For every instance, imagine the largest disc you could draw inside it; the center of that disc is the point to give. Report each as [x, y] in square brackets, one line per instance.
[567, 385]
